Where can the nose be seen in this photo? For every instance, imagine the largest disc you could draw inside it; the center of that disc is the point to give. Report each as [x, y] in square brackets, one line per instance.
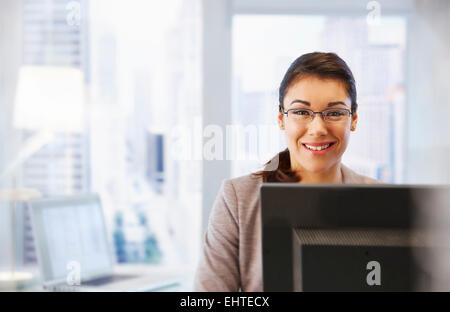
[317, 126]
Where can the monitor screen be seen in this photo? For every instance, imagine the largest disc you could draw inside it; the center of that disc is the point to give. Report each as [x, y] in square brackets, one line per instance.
[71, 237]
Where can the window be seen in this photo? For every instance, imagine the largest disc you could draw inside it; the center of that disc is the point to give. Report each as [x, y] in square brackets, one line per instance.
[61, 166]
[98, 99]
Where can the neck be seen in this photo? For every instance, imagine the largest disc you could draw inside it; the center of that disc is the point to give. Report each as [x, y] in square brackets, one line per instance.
[333, 175]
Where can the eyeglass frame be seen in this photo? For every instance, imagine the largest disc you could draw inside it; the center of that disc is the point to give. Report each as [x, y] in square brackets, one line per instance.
[313, 112]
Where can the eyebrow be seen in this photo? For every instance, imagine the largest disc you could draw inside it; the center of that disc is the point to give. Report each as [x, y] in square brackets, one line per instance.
[309, 104]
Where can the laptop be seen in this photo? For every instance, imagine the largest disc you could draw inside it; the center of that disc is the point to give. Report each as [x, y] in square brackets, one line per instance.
[74, 253]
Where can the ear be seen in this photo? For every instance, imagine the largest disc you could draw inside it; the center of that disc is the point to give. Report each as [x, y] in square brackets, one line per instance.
[280, 119]
[354, 121]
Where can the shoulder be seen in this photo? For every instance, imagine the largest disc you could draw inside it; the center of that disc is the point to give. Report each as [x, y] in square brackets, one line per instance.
[244, 184]
[351, 177]
[241, 192]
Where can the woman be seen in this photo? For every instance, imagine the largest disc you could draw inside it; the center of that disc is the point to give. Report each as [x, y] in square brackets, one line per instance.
[317, 111]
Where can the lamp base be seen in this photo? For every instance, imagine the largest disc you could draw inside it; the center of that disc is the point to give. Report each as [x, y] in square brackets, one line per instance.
[12, 281]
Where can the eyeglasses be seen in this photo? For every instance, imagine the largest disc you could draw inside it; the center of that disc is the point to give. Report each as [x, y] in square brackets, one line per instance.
[334, 115]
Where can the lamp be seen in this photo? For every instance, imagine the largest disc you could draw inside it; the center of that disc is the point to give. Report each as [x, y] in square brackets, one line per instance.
[48, 99]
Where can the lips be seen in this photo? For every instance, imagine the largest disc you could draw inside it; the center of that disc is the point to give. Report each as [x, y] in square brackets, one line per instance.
[318, 148]
[318, 144]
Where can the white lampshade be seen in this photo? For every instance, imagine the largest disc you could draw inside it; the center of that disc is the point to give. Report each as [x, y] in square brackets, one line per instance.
[49, 98]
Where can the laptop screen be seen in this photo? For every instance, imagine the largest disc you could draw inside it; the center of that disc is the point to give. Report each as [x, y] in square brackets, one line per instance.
[70, 237]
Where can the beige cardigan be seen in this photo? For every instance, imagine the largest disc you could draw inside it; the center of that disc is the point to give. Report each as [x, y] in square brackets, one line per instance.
[231, 258]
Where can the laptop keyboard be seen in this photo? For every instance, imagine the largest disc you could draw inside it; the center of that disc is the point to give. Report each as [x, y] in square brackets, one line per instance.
[107, 280]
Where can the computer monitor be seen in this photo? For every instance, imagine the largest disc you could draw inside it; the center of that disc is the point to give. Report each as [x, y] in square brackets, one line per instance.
[348, 237]
[70, 231]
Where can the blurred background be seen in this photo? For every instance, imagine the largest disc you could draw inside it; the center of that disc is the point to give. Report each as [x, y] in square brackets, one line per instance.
[114, 96]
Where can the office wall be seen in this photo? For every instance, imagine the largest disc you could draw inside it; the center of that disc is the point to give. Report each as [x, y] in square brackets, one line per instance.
[428, 94]
[216, 84]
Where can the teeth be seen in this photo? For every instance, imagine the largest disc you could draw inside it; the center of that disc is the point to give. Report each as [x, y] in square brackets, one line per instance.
[317, 148]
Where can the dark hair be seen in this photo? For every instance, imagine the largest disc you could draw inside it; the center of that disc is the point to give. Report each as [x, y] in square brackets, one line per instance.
[322, 65]
[318, 64]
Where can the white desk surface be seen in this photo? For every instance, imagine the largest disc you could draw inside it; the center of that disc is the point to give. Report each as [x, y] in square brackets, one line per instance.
[185, 285]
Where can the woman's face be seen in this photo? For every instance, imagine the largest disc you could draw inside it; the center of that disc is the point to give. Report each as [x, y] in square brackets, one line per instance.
[316, 94]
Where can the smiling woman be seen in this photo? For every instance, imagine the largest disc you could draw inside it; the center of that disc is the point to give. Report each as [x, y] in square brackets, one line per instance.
[315, 83]
[317, 111]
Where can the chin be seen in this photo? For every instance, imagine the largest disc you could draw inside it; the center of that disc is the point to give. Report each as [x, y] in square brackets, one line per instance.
[317, 168]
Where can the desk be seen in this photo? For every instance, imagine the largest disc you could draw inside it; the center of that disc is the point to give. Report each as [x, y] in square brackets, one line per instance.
[185, 285]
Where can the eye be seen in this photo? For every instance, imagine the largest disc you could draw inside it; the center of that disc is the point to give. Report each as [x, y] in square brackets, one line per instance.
[335, 113]
[301, 112]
